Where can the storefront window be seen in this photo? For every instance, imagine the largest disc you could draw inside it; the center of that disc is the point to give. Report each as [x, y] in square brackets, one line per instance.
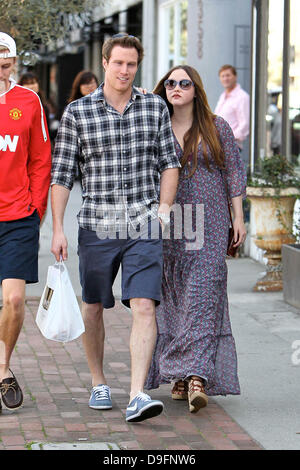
[172, 35]
[294, 91]
[183, 30]
[274, 84]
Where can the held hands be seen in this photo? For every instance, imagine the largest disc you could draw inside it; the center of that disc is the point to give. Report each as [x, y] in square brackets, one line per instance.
[59, 246]
[164, 215]
[239, 231]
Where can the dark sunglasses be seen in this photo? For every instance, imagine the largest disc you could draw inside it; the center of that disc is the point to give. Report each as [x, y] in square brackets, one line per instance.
[184, 84]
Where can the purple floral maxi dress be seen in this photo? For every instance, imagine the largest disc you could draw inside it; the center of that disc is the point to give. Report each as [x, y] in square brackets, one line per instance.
[194, 331]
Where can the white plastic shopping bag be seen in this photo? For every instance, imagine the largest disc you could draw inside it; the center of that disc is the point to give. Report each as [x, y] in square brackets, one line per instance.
[59, 317]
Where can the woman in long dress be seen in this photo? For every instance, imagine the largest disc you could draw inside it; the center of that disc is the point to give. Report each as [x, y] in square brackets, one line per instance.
[195, 348]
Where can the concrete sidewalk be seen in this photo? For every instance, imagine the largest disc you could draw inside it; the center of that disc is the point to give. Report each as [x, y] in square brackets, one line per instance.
[266, 330]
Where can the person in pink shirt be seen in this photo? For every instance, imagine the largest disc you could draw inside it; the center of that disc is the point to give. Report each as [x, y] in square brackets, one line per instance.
[234, 104]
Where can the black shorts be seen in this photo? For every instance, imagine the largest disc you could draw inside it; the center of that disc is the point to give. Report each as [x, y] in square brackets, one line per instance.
[19, 247]
[99, 262]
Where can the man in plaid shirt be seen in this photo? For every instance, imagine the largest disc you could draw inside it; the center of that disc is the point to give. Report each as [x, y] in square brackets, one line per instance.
[123, 142]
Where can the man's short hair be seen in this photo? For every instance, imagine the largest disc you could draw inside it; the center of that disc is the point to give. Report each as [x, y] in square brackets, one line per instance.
[123, 40]
[5, 54]
[228, 67]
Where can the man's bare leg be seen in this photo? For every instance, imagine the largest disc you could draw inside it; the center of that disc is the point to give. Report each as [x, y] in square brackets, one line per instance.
[93, 340]
[11, 321]
[142, 342]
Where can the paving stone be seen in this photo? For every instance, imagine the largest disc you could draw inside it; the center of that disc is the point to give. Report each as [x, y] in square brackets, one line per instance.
[75, 427]
[201, 446]
[95, 426]
[14, 448]
[129, 445]
[56, 384]
[34, 435]
[12, 440]
[166, 434]
[32, 426]
[179, 447]
[75, 446]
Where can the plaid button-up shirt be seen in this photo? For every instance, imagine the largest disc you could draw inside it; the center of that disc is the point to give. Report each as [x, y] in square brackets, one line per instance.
[120, 157]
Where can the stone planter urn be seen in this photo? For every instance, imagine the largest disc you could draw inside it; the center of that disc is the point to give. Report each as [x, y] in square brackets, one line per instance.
[273, 212]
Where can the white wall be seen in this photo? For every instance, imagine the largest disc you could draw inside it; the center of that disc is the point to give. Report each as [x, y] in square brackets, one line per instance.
[149, 43]
[217, 36]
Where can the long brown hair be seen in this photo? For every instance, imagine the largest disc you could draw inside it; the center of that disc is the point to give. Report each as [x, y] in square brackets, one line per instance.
[203, 122]
[82, 78]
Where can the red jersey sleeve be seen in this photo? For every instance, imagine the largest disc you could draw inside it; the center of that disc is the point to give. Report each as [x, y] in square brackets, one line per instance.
[39, 160]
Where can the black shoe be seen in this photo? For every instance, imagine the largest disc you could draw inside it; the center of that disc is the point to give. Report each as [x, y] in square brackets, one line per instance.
[11, 392]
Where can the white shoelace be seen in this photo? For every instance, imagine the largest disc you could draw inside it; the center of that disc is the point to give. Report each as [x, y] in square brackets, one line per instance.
[143, 396]
[101, 393]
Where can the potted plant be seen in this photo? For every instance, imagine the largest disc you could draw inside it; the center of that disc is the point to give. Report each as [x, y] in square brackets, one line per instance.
[272, 191]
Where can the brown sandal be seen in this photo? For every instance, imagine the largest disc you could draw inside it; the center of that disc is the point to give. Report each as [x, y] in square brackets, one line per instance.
[196, 394]
[180, 390]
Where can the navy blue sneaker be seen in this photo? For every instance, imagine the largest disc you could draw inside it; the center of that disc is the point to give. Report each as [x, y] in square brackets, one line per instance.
[100, 398]
[142, 407]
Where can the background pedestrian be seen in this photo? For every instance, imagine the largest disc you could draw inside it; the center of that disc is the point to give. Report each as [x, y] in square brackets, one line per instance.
[25, 154]
[234, 104]
[84, 83]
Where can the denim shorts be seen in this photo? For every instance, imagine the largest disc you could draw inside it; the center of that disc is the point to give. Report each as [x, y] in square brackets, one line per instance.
[99, 262]
[19, 247]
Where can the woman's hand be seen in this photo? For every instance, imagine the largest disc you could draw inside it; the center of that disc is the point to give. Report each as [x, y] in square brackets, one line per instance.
[239, 228]
[143, 90]
[240, 231]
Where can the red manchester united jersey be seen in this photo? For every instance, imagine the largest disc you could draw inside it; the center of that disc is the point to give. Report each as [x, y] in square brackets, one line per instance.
[25, 154]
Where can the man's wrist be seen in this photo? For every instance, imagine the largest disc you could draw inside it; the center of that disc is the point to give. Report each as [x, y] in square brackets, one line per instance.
[58, 229]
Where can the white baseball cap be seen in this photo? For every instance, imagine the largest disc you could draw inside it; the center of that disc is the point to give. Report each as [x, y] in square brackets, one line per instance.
[8, 42]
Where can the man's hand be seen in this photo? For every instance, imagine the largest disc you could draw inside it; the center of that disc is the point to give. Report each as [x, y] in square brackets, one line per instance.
[59, 246]
[164, 215]
[164, 220]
